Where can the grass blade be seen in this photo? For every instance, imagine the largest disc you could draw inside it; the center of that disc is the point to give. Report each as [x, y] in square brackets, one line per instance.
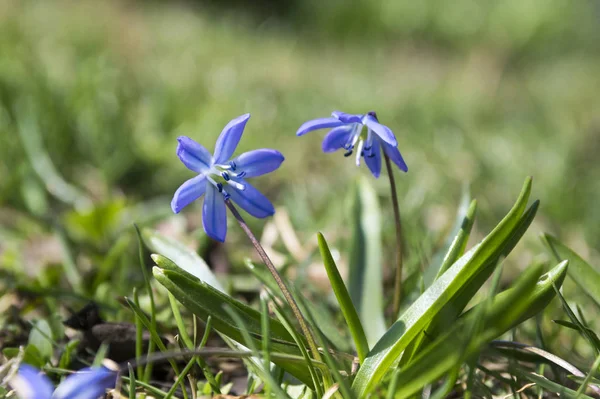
[584, 275]
[344, 300]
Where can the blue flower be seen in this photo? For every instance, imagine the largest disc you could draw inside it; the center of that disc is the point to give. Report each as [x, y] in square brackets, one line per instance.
[88, 383]
[220, 178]
[347, 133]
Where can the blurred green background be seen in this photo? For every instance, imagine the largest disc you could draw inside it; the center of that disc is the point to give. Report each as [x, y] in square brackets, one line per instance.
[484, 93]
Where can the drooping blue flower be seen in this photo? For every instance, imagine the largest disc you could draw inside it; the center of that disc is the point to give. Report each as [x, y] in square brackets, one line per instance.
[88, 383]
[347, 133]
[220, 178]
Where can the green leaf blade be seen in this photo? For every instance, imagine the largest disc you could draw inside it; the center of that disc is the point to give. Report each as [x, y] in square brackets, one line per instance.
[344, 300]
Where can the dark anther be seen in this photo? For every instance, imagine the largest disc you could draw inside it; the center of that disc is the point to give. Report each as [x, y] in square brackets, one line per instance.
[241, 174]
[233, 165]
[372, 113]
[225, 176]
[220, 187]
[362, 153]
[368, 148]
[371, 155]
[226, 196]
[348, 153]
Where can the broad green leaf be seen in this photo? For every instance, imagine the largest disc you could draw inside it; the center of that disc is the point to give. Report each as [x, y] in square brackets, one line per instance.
[365, 282]
[182, 256]
[343, 297]
[387, 350]
[584, 275]
[203, 300]
[451, 311]
[41, 338]
[449, 350]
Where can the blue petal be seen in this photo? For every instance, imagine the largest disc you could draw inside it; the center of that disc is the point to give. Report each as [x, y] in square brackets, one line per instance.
[193, 155]
[381, 130]
[394, 154]
[336, 138]
[316, 124]
[188, 192]
[251, 200]
[29, 383]
[374, 162]
[229, 138]
[214, 214]
[347, 118]
[88, 383]
[258, 162]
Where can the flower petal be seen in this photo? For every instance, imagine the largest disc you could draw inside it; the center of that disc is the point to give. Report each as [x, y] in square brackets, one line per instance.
[394, 154]
[193, 155]
[317, 124]
[29, 383]
[258, 162]
[382, 131]
[188, 192]
[214, 214]
[374, 161]
[229, 138]
[347, 118]
[251, 200]
[88, 383]
[336, 138]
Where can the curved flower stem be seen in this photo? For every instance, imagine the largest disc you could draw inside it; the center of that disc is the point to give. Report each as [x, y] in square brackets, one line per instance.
[285, 291]
[399, 247]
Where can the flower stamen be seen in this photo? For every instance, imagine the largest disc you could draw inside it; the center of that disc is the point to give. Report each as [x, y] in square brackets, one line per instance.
[359, 151]
[236, 185]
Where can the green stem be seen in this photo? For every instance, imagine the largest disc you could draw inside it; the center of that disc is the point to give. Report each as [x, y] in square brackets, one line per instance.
[284, 290]
[399, 247]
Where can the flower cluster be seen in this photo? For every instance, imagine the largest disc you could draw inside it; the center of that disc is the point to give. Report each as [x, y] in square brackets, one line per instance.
[221, 179]
[88, 383]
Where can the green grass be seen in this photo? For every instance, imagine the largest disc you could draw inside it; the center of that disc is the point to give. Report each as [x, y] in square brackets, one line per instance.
[93, 95]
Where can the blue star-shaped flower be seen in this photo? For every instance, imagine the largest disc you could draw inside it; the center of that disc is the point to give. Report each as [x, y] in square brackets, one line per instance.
[347, 133]
[88, 383]
[220, 178]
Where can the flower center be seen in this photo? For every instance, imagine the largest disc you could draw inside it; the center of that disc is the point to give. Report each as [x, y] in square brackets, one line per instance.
[223, 175]
[363, 142]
